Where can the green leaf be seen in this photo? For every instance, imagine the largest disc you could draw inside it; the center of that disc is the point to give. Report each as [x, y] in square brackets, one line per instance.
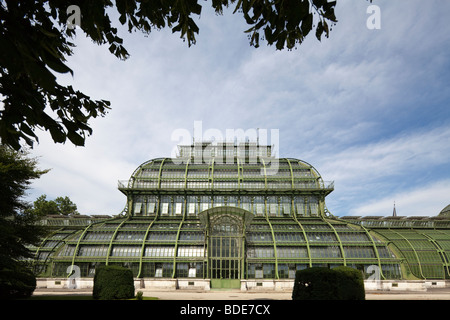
[319, 30]
[269, 35]
[307, 24]
[196, 8]
[58, 66]
[327, 30]
[75, 138]
[112, 48]
[281, 40]
[58, 135]
[41, 75]
[177, 28]
[123, 18]
[26, 129]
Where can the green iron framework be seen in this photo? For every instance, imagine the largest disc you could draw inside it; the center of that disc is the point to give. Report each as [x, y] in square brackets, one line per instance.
[239, 219]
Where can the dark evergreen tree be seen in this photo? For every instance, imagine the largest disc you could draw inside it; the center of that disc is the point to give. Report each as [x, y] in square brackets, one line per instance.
[18, 225]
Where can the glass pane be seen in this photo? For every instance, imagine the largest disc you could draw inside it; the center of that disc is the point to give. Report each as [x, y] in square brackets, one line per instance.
[165, 208]
[178, 208]
[137, 208]
[191, 209]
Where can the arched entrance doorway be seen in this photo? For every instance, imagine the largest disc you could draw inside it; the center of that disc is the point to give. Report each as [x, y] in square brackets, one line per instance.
[225, 228]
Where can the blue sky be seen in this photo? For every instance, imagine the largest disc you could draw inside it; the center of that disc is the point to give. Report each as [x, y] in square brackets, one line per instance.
[369, 109]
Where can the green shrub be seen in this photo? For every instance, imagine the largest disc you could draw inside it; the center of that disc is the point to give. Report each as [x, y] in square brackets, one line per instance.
[18, 282]
[351, 284]
[113, 282]
[342, 283]
[315, 284]
[139, 295]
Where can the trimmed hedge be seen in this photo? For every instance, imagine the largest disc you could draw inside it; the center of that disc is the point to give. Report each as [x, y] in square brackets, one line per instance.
[113, 282]
[351, 286]
[341, 283]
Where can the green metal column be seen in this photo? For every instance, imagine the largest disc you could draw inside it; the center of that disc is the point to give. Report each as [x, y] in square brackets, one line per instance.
[160, 172]
[339, 239]
[240, 173]
[273, 238]
[242, 263]
[375, 249]
[143, 245]
[292, 174]
[186, 173]
[439, 250]
[306, 240]
[81, 237]
[36, 254]
[265, 174]
[112, 239]
[176, 241]
[78, 245]
[443, 255]
[414, 250]
[211, 168]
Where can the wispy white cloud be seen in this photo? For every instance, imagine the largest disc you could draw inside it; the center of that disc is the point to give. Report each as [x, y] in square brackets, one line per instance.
[368, 108]
[424, 200]
[370, 177]
[394, 157]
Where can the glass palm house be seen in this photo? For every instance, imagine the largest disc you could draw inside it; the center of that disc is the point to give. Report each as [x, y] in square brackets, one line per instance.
[232, 211]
